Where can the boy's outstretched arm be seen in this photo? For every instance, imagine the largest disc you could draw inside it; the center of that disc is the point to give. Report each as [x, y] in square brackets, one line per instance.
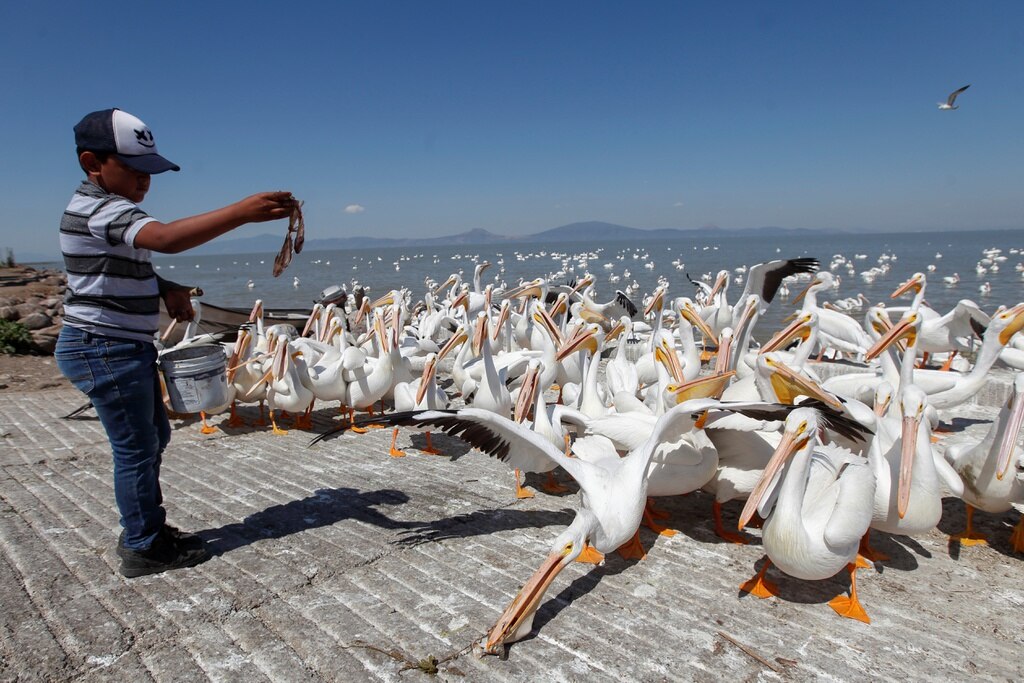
[185, 233]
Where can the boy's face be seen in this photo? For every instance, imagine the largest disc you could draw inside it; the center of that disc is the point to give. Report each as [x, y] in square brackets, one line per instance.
[117, 178]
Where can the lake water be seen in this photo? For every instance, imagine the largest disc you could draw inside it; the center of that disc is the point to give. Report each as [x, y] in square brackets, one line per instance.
[224, 279]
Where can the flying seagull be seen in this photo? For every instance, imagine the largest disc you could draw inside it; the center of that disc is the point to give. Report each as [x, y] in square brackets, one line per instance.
[948, 104]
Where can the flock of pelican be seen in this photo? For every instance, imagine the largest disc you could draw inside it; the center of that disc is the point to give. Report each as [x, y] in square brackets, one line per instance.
[670, 396]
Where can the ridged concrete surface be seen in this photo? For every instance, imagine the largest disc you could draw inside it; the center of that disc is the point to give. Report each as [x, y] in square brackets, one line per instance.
[339, 563]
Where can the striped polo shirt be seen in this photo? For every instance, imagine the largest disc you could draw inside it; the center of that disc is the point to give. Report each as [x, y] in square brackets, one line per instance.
[112, 289]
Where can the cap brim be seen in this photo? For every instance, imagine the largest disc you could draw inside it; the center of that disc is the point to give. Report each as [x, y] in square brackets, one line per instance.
[148, 163]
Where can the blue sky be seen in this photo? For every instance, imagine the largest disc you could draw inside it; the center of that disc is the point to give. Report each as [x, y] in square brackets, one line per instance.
[430, 118]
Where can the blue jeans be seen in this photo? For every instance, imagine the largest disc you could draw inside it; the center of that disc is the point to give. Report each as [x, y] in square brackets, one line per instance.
[120, 378]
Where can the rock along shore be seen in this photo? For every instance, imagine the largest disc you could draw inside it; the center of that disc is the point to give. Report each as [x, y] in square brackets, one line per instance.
[34, 298]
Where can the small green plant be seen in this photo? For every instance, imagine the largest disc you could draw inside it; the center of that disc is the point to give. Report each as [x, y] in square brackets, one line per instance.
[9, 258]
[14, 337]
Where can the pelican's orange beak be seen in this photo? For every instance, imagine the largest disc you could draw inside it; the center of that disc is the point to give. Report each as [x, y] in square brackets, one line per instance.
[914, 283]
[720, 282]
[541, 316]
[516, 621]
[525, 290]
[792, 441]
[479, 334]
[447, 283]
[461, 300]
[722, 358]
[458, 338]
[904, 329]
[798, 329]
[688, 311]
[803, 292]
[788, 385]
[385, 300]
[666, 355]
[378, 329]
[1016, 314]
[584, 282]
[503, 315]
[560, 305]
[1015, 405]
[656, 302]
[241, 344]
[583, 338]
[364, 310]
[314, 315]
[907, 452]
[429, 368]
[257, 311]
[711, 386]
[617, 329]
[527, 393]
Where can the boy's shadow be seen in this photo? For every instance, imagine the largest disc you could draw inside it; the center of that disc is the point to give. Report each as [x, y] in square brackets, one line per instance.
[324, 508]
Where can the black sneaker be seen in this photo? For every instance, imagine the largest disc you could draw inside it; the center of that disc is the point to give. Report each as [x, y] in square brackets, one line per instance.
[163, 555]
[182, 538]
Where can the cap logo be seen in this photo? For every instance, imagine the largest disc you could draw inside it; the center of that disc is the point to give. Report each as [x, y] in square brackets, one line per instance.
[144, 137]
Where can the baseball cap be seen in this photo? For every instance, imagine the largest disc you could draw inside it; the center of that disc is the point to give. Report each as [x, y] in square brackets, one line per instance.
[123, 135]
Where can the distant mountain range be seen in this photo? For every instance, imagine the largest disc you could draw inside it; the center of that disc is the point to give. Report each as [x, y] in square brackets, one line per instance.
[573, 232]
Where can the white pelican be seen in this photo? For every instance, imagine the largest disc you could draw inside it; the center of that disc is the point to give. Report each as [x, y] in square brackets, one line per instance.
[1001, 329]
[620, 374]
[909, 477]
[285, 389]
[993, 469]
[600, 313]
[821, 507]
[368, 383]
[491, 393]
[949, 103]
[546, 422]
[947, 334]
[325, 372]
[718, 314]
[421, 394]
[837, 330]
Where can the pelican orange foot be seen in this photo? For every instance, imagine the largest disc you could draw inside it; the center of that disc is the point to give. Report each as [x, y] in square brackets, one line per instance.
[868, 552]
[850, 607]
[969, 536]
[1017, 537]
[394, 452]
[552, 486]
[720, 530]
[520, 491]
[633, 549]
[759, 586]
[430, 450]
[649, 515]
[206, 429]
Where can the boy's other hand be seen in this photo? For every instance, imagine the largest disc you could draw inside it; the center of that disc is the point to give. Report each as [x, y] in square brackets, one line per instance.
[179, 304]
[267, 206]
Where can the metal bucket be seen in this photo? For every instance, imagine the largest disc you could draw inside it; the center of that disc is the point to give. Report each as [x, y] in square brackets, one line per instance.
[196, 378]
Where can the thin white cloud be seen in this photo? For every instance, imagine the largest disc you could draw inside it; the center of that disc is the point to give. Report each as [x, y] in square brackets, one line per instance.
[678, 204]
[355, 208]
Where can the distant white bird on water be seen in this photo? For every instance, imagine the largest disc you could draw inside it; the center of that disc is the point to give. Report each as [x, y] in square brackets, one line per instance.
[949, 103]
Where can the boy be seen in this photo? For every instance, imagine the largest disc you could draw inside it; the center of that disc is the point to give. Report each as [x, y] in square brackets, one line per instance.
[111, 313]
